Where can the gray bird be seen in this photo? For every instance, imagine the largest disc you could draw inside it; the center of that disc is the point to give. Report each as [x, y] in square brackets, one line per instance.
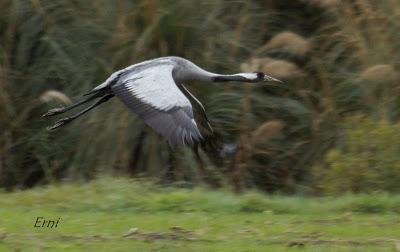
[153, 90]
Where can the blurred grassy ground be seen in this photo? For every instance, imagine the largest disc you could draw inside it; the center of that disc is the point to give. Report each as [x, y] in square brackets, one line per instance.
[112, 214]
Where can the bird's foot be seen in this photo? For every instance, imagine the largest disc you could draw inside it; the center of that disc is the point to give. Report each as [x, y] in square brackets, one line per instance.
[54, 111]
[60, 123]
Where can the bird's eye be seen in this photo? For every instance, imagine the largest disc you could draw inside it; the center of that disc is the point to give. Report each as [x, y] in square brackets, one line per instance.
[260, 75]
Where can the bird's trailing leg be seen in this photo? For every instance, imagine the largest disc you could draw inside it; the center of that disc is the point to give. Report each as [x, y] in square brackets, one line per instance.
[66, 120]
[59, 110]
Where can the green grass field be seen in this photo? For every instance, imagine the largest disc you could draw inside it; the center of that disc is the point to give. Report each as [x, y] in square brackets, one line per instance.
[125, 215]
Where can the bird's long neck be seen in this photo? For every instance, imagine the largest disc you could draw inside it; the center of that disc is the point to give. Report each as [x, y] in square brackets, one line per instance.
[198, 73]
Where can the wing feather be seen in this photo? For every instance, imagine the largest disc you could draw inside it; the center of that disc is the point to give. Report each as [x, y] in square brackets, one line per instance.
[153, 94]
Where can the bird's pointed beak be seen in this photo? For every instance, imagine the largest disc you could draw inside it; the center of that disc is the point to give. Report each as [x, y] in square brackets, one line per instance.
[270, 78]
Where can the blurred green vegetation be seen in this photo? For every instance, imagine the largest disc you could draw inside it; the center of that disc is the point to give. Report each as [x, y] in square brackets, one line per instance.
[366, 160]
[337, 58]
[117, 195]
[120, 214]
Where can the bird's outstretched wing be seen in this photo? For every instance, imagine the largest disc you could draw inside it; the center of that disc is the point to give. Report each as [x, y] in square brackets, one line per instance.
[153, 94]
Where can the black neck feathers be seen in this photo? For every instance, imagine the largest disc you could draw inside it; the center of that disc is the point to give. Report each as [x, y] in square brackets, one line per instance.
[225, 78]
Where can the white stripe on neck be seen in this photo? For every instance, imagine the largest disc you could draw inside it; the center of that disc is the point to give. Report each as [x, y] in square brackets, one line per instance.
[249, 76]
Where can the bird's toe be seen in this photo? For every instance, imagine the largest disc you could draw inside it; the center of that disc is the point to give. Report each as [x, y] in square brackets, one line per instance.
[59, 123]
[54, 111]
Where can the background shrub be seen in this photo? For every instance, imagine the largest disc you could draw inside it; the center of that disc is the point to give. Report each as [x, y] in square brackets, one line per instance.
[366, 160]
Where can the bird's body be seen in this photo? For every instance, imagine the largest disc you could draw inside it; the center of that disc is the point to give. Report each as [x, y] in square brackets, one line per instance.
[154, 90]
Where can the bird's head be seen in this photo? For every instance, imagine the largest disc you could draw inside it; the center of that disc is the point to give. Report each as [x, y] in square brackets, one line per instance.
[260, 76]
[255, 77]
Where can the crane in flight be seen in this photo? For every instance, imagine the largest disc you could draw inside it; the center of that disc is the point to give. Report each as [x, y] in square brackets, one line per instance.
[154, 90]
